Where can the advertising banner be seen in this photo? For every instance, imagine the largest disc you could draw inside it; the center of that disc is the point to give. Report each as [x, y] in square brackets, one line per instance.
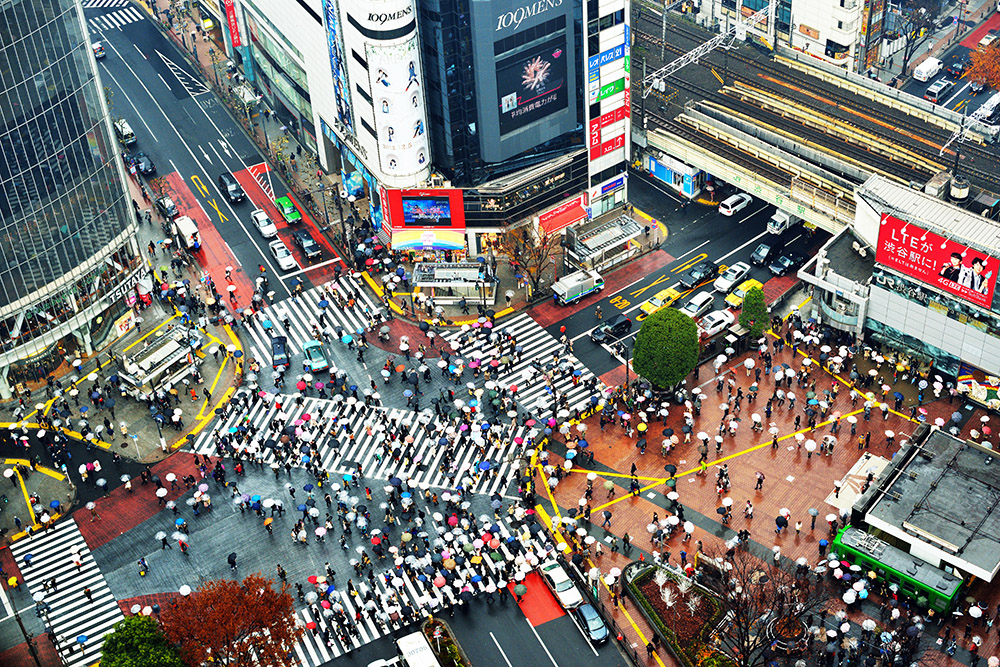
[612, 88]
[426, 209]
[532, 84]
[399, 106]
[234, 28]
[598, 124]
[607, 147]
[337, 66]
[935, 260]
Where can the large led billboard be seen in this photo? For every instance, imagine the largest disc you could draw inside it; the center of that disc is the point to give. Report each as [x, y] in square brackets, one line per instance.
[532, 84]
[935, 260]
[441, 208]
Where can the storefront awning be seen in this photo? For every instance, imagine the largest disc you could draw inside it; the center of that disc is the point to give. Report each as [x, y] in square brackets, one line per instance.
[560, 220]
[428, 239]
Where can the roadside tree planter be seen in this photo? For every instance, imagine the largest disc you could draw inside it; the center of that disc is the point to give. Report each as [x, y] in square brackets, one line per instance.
[443, 644]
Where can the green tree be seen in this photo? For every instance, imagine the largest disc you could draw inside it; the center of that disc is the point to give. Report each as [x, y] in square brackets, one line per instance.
[666, 347]
[754, 315]
[137, 641]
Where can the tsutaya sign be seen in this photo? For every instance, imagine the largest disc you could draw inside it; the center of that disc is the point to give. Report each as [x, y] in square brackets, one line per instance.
[515, 17]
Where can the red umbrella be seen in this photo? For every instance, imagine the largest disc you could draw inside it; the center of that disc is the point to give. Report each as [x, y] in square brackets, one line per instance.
[453, 520]
[300, 385]
[400, 368]
[325, 604]
[313, 579]
[311, 625]
[376, 540]
[439, 581]
[369, 261]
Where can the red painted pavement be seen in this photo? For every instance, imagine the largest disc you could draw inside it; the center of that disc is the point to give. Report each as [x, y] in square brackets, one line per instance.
[163, 599]
[10, 568]
[214, 255]
[777, 287]
[122, 510]
[252, 186]
[538, 604]
[972, 41]
[548, 313]
[19, 655]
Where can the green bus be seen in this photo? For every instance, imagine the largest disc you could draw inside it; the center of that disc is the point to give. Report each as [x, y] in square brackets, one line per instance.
[915, 578]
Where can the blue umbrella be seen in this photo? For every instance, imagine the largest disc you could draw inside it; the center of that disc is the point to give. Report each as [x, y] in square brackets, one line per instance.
[353, 387]
[255, 498]
[476, 578]
[110, 400]
[577, 373]
[400, 272]
[485, 465]
[485, 427]
[548, 431]
[345, 339]
[54, 504]
[238, 353]
[421, 577]
[347, 477]
[473, 403]
[301, 508]
[306, 459]
[571, 454]
[82, 639]
[407, 393]
[83, 408]
[324, 303]
[179, 522]
[583, 443]
[443, 441]
[296, 281]
[405, 494]
[307, 488]
[266, 324]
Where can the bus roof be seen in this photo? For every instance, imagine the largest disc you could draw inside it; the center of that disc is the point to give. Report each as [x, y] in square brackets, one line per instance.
[900, 561]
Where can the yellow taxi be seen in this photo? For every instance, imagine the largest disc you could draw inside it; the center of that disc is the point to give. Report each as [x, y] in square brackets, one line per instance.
[661, 299]
[735, 300]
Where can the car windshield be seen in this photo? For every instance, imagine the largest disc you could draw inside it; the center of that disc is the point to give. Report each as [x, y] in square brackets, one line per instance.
[594, 622]
[281, 251]
[314, 353]
[287, 207]
[563, 585]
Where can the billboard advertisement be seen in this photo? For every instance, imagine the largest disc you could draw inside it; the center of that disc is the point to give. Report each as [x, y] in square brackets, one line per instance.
[398, 97]
[234, 28]
[532, 84]
[935, 260]
[427, 209]
[337, 66]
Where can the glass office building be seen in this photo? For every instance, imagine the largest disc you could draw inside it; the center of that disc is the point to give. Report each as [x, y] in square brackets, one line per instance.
[68, 254]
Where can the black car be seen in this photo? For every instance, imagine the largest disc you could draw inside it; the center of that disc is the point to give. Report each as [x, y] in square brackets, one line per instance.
[616, 327]
[592, 623]
[305, 241]
[787, 263]
[165, 205]
[279, 353]
[703, 271]
[229, 185]
[958, 68]
[144, 164]
[766, 253]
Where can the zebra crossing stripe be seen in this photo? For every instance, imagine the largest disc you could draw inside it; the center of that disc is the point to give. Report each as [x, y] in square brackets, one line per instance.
[312, 651]
[537, 345]
[339, 455]
[72, 614]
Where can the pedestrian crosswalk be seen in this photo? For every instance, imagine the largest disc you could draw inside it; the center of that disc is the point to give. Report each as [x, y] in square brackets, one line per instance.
[305, 310]
[103, 4]
[386, 613]
[79, 623]
[114, 19]
[422, 460]
[531, 362]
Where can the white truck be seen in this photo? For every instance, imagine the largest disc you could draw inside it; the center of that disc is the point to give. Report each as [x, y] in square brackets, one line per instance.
[927, 70]
[575, 286]
[186, 230]
[782, 220]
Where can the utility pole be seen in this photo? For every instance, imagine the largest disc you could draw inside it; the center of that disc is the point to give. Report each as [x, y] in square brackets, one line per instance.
[29, 639]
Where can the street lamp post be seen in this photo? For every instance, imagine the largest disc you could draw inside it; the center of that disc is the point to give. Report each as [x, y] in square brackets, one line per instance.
[29, 639]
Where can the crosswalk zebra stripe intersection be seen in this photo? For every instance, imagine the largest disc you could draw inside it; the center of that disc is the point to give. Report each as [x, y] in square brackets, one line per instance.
[339, 454]
[72, 615]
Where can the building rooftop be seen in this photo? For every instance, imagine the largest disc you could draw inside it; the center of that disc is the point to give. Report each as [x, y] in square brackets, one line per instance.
[846, 260]
[944, 492]
[941, 217]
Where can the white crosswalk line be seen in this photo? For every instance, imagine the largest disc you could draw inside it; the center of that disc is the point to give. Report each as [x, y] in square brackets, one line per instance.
[339, 454]
[72, 614]
[536, 345]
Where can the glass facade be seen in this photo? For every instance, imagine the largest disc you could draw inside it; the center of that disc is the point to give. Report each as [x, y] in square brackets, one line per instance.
[66, 228]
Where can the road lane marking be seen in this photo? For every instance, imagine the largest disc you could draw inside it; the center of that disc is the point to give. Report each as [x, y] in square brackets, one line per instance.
[499, 648]
[310, 268]
[265, 258]
[544, 647]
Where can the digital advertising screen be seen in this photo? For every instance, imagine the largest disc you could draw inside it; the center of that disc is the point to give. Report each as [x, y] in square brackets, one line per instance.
[532, 84]
[935, 260]
[426, 211]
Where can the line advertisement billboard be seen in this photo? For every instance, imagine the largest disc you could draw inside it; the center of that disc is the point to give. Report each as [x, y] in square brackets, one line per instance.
[532, 84]
[935, 260]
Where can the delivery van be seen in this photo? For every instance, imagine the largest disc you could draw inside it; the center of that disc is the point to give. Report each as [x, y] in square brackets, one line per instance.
[124, 132]
[928, 69]
[186, 230]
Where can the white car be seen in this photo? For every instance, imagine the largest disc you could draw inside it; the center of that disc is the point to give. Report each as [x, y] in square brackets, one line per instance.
[560, 583]
[732, 277]
[699, 304]
[716, 321]
[735, 204]
[263, 224]
[282, 255]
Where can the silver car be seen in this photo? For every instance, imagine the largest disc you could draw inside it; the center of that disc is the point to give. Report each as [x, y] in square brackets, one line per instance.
[562, 586]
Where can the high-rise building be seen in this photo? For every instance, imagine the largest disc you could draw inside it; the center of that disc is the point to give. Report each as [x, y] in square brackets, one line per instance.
[69, 259]
[462, 117]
